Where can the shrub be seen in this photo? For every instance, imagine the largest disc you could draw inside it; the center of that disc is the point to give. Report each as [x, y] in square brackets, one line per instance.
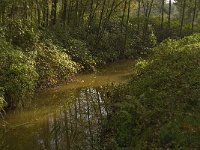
[80, 53]
[58, 35]
[17, 73]
[77, 49]
[53, 64]
[163, 99]
[20, 34]
[113, 45]
[168, 88]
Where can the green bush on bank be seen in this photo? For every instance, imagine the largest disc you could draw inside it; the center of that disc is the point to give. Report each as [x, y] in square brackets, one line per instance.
[17, 73]
[160, 107]
[52, 64]
[77, 49]
[26, 63]
[80, 53]
[24, 67]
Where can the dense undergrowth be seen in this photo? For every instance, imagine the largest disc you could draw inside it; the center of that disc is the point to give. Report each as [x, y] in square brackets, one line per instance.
[159, 108]
[35, 57]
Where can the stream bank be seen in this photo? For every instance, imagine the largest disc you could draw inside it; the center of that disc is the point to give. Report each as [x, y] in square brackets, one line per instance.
[69, 116]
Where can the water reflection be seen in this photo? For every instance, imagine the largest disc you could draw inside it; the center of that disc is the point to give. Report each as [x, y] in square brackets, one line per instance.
[68, 117]
[76, 127]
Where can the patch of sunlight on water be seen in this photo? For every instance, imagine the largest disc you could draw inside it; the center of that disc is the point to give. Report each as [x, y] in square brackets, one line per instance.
[66, 117]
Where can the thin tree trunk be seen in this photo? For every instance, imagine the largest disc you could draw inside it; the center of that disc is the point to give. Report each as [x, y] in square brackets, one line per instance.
[147, 15]
[138, 15]
[127, 21]
[123, 16]
[44, 13]
[182, 18]
[76, 13]
[169, 17]
[83, 12]
[54, 12]
[101, 17]
[25, 10]
[162, 10]
[107, 19]
[150, 8]
[79, 12]
[47, 12]
[69, 11]
[38, 12]
[64, 13]
[194, 14]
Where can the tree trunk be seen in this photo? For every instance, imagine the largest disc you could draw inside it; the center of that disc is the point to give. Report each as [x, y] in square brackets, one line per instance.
[127, 21]
[101, 17]
[194, 14]
[182, 18]
[138, 15]
[64, 13]
[123, 16]
[54, 12]
[169, 17]
[162, 10]
[38, 12]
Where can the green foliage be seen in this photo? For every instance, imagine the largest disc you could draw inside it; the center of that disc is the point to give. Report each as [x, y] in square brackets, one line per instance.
[17, 73]
[163, 99]
[145, 37]
[53, 64]
[26, 63]
[80, 53]
[77, 49]
[2, 100]
[107, 50]
[20, 34]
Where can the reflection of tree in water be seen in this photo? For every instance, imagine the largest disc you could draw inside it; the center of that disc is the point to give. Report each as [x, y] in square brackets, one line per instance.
[79, 126]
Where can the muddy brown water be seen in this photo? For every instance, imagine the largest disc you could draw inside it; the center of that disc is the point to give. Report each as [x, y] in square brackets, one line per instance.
[68, 117]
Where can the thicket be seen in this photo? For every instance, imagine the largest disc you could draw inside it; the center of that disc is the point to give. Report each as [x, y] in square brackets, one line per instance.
[159, 108]
[29, 63]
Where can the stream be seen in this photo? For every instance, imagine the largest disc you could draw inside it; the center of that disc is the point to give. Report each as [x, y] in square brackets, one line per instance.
[67, 117]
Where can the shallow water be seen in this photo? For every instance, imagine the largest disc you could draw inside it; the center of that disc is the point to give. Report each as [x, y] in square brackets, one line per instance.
[68, 117]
